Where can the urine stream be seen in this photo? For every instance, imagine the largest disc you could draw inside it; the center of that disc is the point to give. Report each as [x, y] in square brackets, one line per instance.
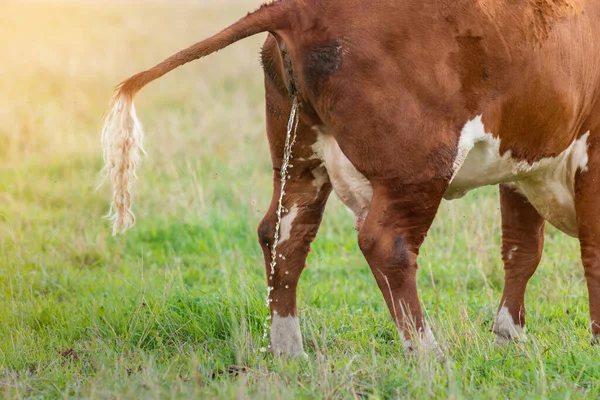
[290, 139]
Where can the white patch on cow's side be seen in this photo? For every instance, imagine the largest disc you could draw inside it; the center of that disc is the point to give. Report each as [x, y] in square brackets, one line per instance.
[479, 163]
[506, 330]
[471, 133]
[286, 338]
[511, 252]
[548, 184]
[285, 230]
[353, 189]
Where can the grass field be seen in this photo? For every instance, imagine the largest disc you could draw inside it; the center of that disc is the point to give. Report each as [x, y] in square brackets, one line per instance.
[175, 308]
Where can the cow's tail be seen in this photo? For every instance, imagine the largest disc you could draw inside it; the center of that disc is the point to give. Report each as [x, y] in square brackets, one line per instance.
[122, 133]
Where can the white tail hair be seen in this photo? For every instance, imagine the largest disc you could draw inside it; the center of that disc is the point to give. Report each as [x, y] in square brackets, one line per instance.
[122, 141]
[122, 133]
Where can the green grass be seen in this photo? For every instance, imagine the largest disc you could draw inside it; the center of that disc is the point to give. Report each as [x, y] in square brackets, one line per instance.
[175, 308]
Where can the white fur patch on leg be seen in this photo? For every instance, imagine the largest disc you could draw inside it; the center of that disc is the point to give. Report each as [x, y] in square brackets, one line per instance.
[506, 330]
[286, 224]
[512, 252]
[122, 138]
[286, 338]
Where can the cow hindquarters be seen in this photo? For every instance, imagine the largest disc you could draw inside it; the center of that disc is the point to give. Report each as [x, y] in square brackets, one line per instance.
[587, 200]
[522, 245]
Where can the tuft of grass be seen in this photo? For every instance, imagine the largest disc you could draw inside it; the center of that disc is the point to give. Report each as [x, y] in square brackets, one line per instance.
[175, 309]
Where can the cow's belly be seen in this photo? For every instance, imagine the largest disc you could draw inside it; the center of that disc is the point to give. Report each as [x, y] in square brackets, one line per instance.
[548, 184]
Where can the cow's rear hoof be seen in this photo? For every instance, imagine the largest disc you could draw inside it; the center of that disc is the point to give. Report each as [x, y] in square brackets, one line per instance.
[506, 330]
[503, 339]
[427, 346]
[301, 355]
[286, 339]
[420, 352]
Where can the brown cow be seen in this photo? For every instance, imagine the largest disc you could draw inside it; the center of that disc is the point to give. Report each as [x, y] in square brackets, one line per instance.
[403, 103]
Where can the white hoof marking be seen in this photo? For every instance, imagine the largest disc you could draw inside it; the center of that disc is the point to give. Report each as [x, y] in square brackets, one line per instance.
[427, 344]
[506, 330]
[286, 338]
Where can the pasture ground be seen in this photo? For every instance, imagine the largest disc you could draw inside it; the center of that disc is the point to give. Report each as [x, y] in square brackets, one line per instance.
[175, 308]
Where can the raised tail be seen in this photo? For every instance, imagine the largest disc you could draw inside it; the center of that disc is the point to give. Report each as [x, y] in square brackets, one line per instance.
[122, 134]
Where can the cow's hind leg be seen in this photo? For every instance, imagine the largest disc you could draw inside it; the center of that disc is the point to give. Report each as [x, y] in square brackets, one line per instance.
[306, 195]
[587, 199]
[390, 240]
[304, 202]
[522, 245]
[306, 192]
[409, 178]
[406, 152]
